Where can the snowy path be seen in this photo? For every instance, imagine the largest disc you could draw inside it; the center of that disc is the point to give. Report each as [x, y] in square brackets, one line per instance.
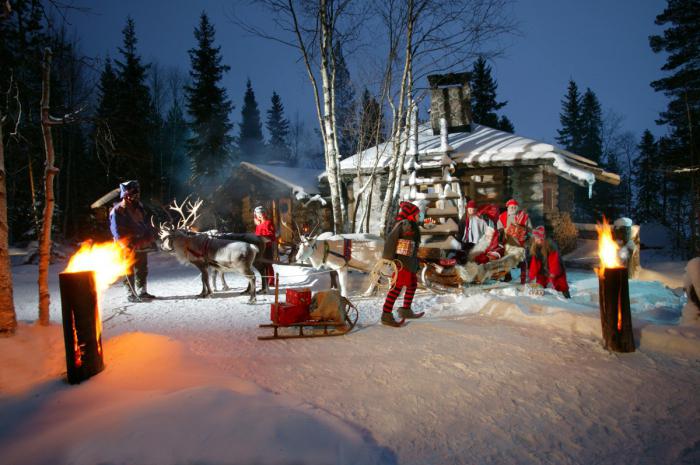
[454, 387]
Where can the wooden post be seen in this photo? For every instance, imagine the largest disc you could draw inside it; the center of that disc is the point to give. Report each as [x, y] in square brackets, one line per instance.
[81, 325]
[277, 296]
[615, 316]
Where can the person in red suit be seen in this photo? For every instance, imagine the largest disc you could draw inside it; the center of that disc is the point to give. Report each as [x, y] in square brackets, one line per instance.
[264, 227]
[514, 228]
[546, 265]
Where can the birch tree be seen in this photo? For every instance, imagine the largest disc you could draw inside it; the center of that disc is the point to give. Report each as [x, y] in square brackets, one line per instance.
[8, 318]
[437, 36]
[50, 171]
[312, 28]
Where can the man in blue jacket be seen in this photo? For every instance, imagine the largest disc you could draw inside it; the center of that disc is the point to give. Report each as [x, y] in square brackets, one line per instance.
[128, 223]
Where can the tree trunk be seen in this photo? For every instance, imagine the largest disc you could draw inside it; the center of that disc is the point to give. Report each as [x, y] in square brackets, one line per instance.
[330, 140]
[398, 130]
[615, 316]
[49, 173]
[8, 318]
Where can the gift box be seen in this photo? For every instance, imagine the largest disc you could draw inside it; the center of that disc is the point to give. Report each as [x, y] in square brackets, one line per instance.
[299, 296]
[287, 314]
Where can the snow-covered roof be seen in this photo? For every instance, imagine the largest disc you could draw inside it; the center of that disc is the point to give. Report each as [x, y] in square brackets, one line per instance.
[302, 181]
[485, 146]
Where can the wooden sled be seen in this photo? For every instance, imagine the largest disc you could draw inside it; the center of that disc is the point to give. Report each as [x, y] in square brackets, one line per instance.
[316, 328]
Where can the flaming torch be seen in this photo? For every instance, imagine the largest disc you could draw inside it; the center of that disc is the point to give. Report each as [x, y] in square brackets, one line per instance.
[613, 294]
[89, 272]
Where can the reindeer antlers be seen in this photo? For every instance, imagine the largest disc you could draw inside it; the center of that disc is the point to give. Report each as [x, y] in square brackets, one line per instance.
[187, 220]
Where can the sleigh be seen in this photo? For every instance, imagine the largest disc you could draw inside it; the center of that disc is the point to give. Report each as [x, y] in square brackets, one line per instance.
[445, 275]
[303, 317]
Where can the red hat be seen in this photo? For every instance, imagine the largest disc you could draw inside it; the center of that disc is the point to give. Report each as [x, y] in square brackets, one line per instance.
[539, 233]
[471, 204]
[512, 202]
[407, 211]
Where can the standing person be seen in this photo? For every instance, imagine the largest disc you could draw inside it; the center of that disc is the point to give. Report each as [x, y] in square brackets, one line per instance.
[264, 227]
[471, 230]
[127, 221]
[401, 246]
[546, 265]
[514, 227]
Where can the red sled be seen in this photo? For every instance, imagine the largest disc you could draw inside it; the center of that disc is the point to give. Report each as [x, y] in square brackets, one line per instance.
[299, 296]
[287, 314]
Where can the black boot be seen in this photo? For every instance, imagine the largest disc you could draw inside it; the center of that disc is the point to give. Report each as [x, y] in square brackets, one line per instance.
[388, 320]
[407, 313]
[567, 294]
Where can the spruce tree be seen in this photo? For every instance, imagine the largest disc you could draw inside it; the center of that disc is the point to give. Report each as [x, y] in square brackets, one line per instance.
[505, 125]
[132, 123]
[484, 104]
[570, 134]
[175, 145]
[278, 128]
[209, 146]
[345, 106]
[371, 130]
[682, 115]
[591, 145]
[250, 140]
[647, 179]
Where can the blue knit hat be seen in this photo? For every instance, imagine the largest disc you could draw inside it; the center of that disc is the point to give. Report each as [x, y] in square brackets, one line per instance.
[128, 187]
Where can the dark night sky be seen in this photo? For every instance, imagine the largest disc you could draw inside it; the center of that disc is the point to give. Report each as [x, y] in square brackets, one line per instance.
[601, 44]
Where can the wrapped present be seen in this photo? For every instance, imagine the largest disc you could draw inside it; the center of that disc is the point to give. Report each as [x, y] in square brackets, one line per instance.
[287, 314]
[517, 231]
[405, 247]
[299, 296]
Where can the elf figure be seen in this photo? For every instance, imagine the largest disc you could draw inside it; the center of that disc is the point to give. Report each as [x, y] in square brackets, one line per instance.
[401, 247]
[546, 265]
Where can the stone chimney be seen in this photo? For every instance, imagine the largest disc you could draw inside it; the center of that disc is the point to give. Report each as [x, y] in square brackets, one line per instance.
[450, 98]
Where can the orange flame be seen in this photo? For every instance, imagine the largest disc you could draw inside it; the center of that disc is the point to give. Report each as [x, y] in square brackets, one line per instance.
[607, 248]
[109, 261]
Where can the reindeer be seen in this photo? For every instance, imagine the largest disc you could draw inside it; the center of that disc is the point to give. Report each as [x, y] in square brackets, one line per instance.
[326, 251]
[206, 252]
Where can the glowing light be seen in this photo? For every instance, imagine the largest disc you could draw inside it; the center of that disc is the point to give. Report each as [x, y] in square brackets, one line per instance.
[109, 260]
[607, 248]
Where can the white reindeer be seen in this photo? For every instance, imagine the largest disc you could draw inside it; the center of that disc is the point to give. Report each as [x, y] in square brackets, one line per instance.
[326, 251]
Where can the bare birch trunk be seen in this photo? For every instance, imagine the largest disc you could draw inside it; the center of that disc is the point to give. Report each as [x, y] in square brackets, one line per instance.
[49, 173]
[330, 141]
[398, 129]
[8, 318]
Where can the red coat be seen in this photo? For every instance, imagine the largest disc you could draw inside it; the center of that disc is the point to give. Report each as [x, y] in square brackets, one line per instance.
[553, 272]
[266, 229]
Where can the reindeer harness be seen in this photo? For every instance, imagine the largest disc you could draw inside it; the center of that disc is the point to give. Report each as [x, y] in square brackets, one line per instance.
[346, 255]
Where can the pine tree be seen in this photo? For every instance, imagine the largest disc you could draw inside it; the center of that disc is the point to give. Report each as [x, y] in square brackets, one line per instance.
[175, 148]
[682, 115]
[278, 128]
[570, 134]
[132, 122]
[208, 106]
[484, 104]
[505, 125]
[250, 140]
[345, 106]
[372, 130]
[591, 145]
[647, 179]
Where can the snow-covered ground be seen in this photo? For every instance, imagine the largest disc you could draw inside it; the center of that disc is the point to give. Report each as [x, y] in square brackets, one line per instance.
[492, 376]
